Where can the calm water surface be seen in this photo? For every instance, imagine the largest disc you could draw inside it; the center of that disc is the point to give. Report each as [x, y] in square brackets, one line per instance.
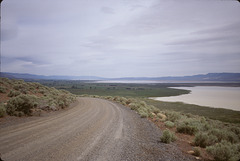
[222, 97]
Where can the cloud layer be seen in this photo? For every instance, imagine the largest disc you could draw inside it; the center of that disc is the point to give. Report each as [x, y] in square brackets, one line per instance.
[111, 38]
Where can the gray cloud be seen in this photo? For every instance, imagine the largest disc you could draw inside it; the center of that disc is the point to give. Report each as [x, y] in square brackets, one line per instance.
[121, 38]
[107, 10]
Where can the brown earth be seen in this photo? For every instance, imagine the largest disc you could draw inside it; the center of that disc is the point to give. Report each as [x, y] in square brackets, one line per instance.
[94, 129]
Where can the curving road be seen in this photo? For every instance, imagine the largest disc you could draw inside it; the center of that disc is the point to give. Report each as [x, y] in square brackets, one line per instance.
[94, 129]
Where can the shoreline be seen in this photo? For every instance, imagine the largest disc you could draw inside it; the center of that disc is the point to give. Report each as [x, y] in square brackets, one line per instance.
[213, 97]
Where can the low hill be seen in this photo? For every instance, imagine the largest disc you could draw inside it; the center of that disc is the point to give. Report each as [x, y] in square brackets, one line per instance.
[27, 76]
[19, 98]
[210, 77]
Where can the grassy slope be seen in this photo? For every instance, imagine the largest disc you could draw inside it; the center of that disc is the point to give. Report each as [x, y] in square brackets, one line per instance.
[224, 115]
[20, 98]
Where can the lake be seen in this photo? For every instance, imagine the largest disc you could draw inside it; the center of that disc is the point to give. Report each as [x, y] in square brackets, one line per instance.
[212, 96]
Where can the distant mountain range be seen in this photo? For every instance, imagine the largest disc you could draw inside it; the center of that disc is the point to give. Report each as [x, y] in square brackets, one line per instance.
[32, 76]
[210, 77]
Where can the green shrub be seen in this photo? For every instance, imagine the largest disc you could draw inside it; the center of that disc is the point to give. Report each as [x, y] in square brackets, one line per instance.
[42, 91]
[187, 128]
[196, 152]
[173, 116]
[13, 93]
[223, 134]
[2, 110]
[224, 151]
[142, 103]
[167, 137]
[203, 139]
[4, 81]
[62, 100]
[3, 89]
[143, 114]
[18, 86]
[156, 110]
[109, 97]
[169, 124]
[123, 100]
[21, 104]
[129, 101]
[133, 106]
[24, 91]
[236, 130]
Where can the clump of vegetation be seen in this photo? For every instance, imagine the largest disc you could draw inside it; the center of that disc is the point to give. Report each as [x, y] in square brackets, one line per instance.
[2, 110]
[167, 137]
[196, 152]
[225, 151]
[203, 139]
[173, 116]
[169, 124]
[188, 126]
[224, 134]
[143, 114]
[235, 130]
[140, 107]
[21, 105]
[3, 89]
[13, 93]
[23, 98]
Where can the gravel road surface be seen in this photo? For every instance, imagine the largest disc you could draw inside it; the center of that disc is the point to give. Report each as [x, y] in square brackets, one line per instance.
[94, 129]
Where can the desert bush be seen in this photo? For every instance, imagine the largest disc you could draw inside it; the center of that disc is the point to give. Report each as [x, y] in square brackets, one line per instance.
[143, 104]
[161, 116]
[13, 93]
[173, 116]
[18, 113]
[21, 104]
[196, 151]
[224, 151]
[94, 96]
[42, 91]
[18, 86]
[129, 101]
[24, 91]
[143, 114]
[235, 130]
[205, 126]
[3, 89]
[4, 81]
[167, 137]
[109, 97]
[36, 85]
[203, 139]
[121, 100]
[2, 110]
[156, 110]
[133, 106]
[223, 134]
[116, 98]
[187, 129]
[64, 100]
[169, 124]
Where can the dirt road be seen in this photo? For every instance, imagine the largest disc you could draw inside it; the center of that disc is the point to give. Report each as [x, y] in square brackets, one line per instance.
[94, 129]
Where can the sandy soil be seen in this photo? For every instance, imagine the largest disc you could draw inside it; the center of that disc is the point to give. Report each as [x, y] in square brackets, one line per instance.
[94, 129]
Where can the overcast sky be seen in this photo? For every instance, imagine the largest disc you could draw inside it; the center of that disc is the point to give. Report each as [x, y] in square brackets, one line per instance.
[120, 38]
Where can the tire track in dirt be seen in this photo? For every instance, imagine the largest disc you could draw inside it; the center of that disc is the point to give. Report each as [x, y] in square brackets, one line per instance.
[94, 129]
